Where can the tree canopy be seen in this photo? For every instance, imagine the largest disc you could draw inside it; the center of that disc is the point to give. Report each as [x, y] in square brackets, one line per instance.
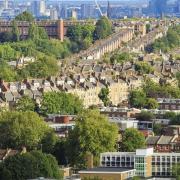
[146, 97]
[132, 139]
[25, 16]
[25, 104]
[43, 67]
[145, 116]
[60, 103]
[29, 166]
[143, 68]
[103, 28]
[18, 129]
[81, 36]
[137, 98]
[121, 57]
[104, 96]
[94, 134]
[170, 41]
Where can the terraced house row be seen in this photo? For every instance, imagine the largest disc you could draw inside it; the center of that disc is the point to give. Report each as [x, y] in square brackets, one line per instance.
[86, 87]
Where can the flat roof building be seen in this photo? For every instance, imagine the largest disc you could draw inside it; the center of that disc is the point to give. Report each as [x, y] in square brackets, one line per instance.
[145, 162]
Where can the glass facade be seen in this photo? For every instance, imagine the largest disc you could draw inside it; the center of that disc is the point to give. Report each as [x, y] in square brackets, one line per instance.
[140, 166]
[156, 164]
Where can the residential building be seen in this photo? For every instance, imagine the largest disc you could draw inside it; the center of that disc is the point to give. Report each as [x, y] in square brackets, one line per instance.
[164, 143]
[169, 104]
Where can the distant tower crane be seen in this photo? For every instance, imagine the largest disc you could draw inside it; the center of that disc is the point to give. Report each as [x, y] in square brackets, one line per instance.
[98, 7]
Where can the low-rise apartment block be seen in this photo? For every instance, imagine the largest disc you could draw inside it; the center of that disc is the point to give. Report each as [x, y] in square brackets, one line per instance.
[145, 162]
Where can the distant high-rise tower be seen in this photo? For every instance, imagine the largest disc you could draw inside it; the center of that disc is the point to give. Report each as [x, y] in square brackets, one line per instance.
[87, 11]
[109, 10]
[53, 14]
[5, 4]
[74, 14]
[63, 12]
[42, 8]
[35, 8]
[158, 7]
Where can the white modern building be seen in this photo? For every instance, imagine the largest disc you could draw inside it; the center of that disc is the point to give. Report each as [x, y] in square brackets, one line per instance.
[144, 161]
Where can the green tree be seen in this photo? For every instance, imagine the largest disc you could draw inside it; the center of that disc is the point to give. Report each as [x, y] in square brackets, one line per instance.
[169, 115]
[29, 166]
[25, 104]
[25, 16]
[170, 41]
[49, 142]
[7, 73]
[148, 28]
[132, 139]
[43, 67]
[178, 78]
[60, 102]
[157, 129]
[137, 98]
[60, 152]
[18, 129]
[42, 33]
[143, 68]
[120, 57]
[104, 96]
[175, 120]
[81, 36]
[33, 32]
[15, 31]
[103, 28]
[152, 103]
[176, 171]
[6, 37]
[145, 116]
[92, 134]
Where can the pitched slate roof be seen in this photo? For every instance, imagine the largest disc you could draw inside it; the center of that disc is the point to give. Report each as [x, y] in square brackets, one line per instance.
[152, 140]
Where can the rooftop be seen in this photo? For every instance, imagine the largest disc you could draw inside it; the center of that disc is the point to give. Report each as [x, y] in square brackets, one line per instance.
[106, 170]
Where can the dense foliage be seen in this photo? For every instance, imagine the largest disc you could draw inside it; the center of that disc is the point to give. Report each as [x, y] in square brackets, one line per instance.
[121, 57]
[103, 28]
[44, 67]
[145, 116]
[92, 134]
[156, 90]
[45, 51]
[143, 68]
[29, 166]
[104, 96]
[25, 104]
[61, 103]
[139, 99]
[18, 129]
[81, 36]
[146, 97]
[170, 41]
[7, 73]
[25, 16]
[176, 171]
[132, 139]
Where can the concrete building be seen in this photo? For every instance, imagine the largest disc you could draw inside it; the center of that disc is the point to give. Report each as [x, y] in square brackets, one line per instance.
[108, 173]
[6, 4]
[74, 14]
[53, 14]
[87, 11]
[169, 104]
[42, 7]
[145, 162]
